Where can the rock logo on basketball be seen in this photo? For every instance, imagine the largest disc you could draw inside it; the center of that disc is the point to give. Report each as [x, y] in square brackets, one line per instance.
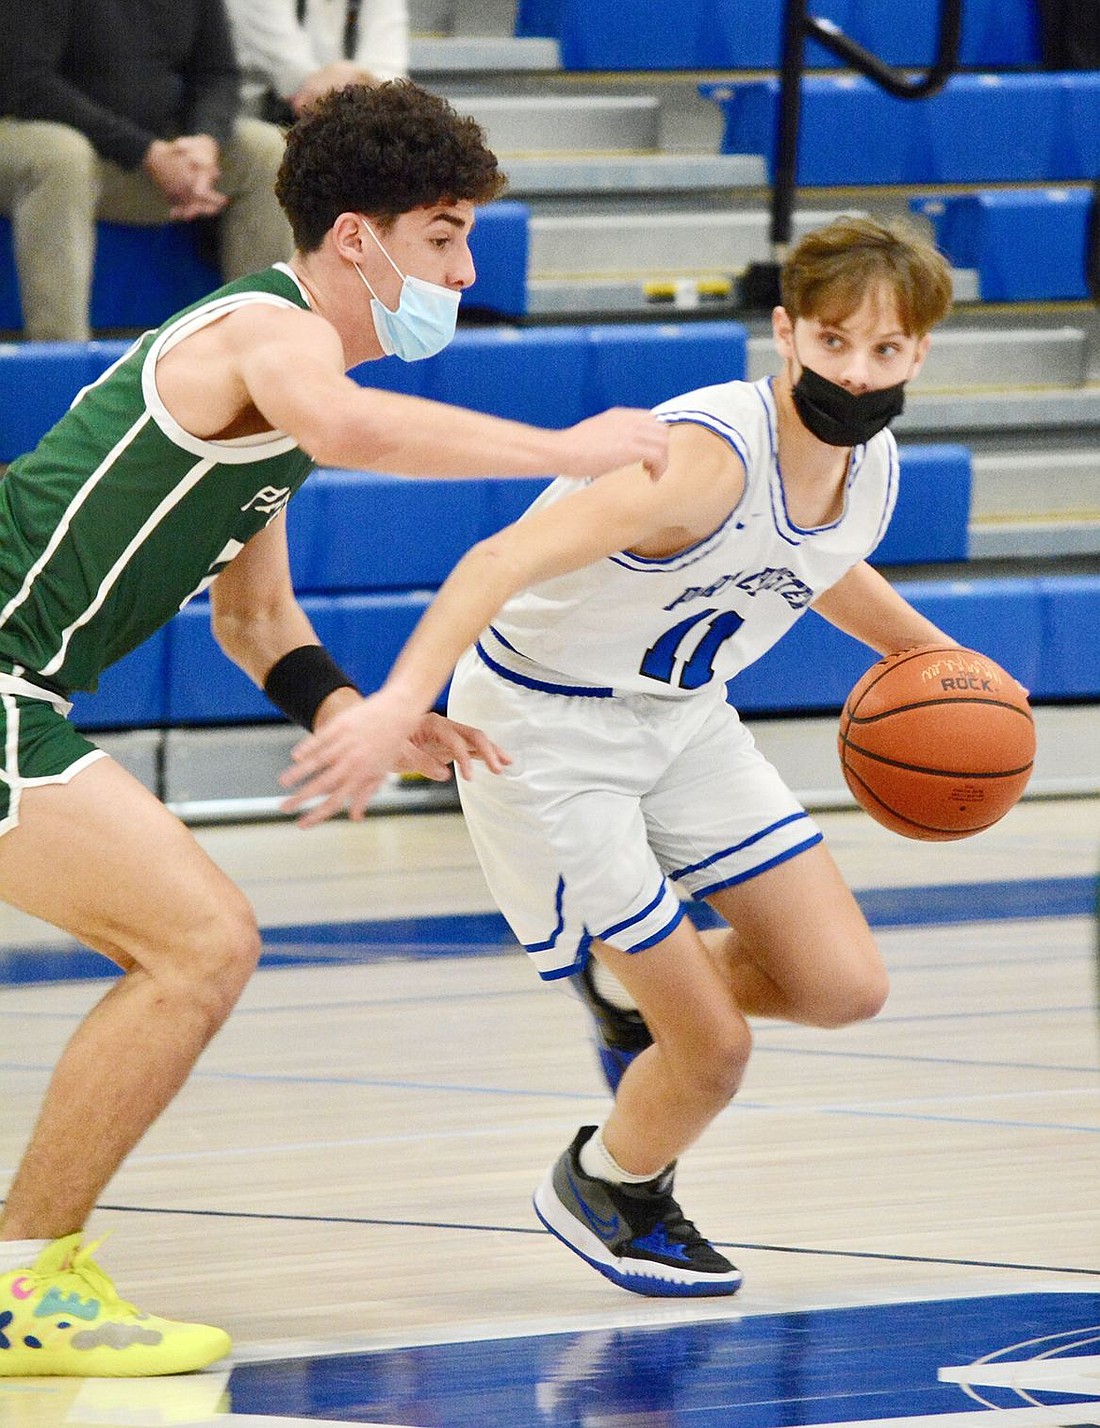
[937, 742]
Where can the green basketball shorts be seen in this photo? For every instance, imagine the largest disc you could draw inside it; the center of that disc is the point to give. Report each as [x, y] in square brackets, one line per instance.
[39, 744]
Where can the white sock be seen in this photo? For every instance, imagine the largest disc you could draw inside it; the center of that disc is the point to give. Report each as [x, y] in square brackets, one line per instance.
[598, 1162]
[20, 1254]
[610, 988]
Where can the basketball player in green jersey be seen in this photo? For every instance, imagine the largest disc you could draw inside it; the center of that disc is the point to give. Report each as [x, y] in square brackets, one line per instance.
[171, 474]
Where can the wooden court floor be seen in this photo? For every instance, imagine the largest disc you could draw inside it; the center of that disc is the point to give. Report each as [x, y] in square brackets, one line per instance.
[350, 1167]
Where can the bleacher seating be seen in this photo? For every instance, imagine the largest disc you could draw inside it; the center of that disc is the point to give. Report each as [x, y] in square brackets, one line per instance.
[396, 540]
[141, 276]
[746, 34]
[1024, 244]
[551, 376]
[1020, 128]
[144, 275]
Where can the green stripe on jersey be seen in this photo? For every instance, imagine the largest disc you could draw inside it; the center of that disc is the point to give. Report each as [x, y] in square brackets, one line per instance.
[117, 517]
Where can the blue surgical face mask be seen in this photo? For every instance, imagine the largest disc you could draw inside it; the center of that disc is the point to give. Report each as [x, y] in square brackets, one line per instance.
[425, 317]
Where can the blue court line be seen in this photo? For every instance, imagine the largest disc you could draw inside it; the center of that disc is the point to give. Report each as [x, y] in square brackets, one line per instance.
[487, 934]
[763, 1048]
[402, 1224]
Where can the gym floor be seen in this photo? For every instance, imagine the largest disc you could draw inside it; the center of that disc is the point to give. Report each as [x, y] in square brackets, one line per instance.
[344, 1184]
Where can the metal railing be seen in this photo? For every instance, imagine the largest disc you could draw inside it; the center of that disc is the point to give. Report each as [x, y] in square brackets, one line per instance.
[759, 285]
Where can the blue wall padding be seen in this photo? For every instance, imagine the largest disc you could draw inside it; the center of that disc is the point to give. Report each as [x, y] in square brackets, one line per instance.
[356, 530]
[555, 376]
[38, 381]
[141, 275]
[531, 374]
[1069, 651]
[746, 34]
[1040, 629]
[1039, 128]
[931, 520]
[132, 693]
[499, 247]
[364, 634]
[815, 666]
[640, 366]
[547, 376]
[1026, 244]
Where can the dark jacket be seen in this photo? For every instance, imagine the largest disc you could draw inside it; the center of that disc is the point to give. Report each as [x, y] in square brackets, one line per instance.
[123, 72]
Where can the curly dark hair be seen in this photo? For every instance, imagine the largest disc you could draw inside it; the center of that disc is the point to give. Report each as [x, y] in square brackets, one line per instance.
[381, 151]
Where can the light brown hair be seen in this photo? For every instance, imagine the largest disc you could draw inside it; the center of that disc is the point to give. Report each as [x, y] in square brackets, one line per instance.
[830, 271]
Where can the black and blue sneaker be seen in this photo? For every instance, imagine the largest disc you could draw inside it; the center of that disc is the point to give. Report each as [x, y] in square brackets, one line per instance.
[635, 1235]
[620, 1033]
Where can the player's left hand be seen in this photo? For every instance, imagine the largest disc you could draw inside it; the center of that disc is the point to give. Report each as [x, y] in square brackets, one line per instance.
[437, 743]
[343, 763]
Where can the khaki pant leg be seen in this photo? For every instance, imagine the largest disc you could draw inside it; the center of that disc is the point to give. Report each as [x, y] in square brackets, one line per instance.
[49, 187]
[254, 229]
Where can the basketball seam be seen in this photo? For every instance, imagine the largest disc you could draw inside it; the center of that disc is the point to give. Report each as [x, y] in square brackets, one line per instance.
[938, 703]
[927, 769]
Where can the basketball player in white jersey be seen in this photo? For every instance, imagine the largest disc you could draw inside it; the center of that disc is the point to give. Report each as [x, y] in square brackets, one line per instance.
[599, 632]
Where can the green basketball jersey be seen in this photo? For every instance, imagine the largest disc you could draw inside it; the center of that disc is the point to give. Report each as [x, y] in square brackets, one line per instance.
[119, 516]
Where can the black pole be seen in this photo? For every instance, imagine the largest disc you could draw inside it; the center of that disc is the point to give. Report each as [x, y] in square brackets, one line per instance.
[759, 284]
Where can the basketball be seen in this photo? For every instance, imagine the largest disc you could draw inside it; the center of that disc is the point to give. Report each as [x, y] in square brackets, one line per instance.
[936, 743]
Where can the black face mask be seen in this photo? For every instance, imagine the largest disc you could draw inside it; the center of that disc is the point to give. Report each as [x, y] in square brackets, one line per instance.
[840, 418]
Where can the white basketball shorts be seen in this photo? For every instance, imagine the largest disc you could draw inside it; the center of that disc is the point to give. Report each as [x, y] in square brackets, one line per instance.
[614, 809]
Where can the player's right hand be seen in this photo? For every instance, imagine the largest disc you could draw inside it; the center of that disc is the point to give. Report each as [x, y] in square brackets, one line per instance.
[618, 437]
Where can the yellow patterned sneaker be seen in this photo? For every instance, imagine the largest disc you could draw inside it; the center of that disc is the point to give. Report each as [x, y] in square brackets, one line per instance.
[64, 1316]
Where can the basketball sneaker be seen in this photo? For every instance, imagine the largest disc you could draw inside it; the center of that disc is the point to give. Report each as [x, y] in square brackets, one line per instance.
[64, 1316]
[635, 1235]
[620, 1033]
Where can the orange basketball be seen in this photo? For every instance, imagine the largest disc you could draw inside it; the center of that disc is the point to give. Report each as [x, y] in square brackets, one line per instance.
[936, 743]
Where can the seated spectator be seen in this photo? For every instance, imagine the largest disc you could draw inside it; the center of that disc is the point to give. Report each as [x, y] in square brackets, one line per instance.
[293, 51]
[127, 113]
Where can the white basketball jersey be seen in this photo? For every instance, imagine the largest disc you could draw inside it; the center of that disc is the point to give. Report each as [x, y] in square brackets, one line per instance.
[678, 624]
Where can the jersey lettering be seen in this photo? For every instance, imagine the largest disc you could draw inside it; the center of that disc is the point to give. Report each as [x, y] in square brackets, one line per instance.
[776, 579]
[270, 500]
[695, 659]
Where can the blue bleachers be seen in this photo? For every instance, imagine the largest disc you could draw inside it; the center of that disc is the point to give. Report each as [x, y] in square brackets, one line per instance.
[368, 550]
[143, 275]
[815, 666]
[1026, 245]
[1037, 628]
[745, 34]
[931, 521]
[498, 245]
[547, 376]
[1019, 128]
[38, 381]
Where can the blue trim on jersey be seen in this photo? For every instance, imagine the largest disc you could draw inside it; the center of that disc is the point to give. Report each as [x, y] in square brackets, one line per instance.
[737, 847]
[508, 645]
[692, 553]
[893, 483]
[659, 936]
[582, 947]
[559, 908]
[760, 867]
[630, 921]
[577, 964]
[584, 691]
